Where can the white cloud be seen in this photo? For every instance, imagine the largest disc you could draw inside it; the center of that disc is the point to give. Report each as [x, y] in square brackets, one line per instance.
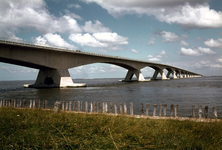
[23, 14]
[214, 43]
[219, 60]
[94, 28]
[187, 13]
[183, 43]
[77, 6]
[161, 54]
[86, 40]
[104, 39]
[134, 51]
[73, 15]
[150, 43]
[54, 40]
[196, 52]
[167, 36]
[151, 58]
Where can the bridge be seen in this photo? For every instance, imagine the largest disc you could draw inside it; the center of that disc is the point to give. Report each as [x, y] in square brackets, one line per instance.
[53, 63]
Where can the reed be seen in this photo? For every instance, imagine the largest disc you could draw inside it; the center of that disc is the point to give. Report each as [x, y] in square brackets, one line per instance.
[44, 129]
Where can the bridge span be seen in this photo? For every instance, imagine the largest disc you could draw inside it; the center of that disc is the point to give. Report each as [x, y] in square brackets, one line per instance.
[53, 63]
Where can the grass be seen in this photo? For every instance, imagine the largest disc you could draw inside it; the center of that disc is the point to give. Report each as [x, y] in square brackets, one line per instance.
[40, 129]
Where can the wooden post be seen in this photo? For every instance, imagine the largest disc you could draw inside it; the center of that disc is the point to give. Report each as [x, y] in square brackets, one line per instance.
[111, 107]
[215, 112]
[33, 103]
[86, 107]
[107, 107]
[63, 105]
[147, 109]
[98, 107]
[70, 105]
[24, 103]
[57, 107]
[160, 110]
[74, 105]
[94, 106]
[91, 107]
[193, 111]
[206, 112]
[176, 110]
[131, 108]
[200, 111]
[121, 108]
[171, 110]
[81, 105]
[78, 103]
[115, 108]
[154, 109]
[67, 105]
[142, 110]
[125, 109]
[30, 104]
[164, 110]
[39, 104]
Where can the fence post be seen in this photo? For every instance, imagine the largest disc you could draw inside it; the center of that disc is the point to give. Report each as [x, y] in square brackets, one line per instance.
[131, 108]
[91, 107]
[57, 107]
[193, 111]
[164, 110]
[81, 105]
[86, 107]
[30, 104]
[107, 107]
[46, 102]
[154, 109]
[176, 110]
[206, 112]
[121, 108]
[63, 105]
[147, 109]
[70, 105]
[142, 110]
[125, 109]
[67, 105]
[94, 106]
[78, 103]
[98, 107]
[200, 111]
[215, 112]
[171, 110]
[74, 105]
[115, 108]
[160, 110]
[111, 107]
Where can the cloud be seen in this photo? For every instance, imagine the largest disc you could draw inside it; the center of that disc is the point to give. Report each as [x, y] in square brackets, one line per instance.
[94, 28]
[157, 56]
[53, 40]
[73, 15]
[77, 6]
[167, 36]
[183, 43]
[151, 58]
[219, 60]
[187, 13]
[103, 40]
[24, 14]
[214, 43]
[134, 51]
[150, 43]
[161, 54]
[196, 52]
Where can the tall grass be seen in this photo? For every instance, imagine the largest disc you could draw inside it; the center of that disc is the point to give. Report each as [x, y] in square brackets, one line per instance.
[40, 129]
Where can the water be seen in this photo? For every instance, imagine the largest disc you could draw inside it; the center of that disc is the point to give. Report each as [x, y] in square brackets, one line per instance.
[184, 92]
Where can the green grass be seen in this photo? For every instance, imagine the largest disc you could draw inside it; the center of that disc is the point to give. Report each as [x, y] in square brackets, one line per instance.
[38, 129]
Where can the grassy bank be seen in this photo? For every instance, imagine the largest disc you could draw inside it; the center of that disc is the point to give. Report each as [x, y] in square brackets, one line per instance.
[38, 129]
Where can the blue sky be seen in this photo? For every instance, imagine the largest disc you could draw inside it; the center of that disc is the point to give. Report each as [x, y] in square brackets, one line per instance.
[182, 33]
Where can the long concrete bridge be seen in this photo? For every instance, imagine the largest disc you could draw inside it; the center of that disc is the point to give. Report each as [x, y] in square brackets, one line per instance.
[54, 62]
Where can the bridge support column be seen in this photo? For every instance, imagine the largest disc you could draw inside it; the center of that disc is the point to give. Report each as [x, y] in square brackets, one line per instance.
[138, 74]
[173, 73]
[54, 78]
[163, 76]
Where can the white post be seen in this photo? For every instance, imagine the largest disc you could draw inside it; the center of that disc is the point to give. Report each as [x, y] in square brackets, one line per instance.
[200, 111]
[131, 108]
[215, 112]
[86, 107]
[154, 110]
[193, 111]
[171, 110]
[160, 110]
[91, 107]
[115, 108]
[125, 109]
[164, 110]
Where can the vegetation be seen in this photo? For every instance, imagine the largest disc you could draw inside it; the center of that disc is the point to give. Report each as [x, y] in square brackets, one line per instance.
[38, 129]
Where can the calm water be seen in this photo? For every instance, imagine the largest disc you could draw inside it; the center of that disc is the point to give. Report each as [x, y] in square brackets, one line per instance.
[184, 92]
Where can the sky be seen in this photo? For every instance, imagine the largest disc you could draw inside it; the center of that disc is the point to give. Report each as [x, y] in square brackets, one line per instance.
[182, 33]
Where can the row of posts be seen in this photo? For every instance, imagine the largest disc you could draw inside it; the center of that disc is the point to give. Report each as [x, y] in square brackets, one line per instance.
[96, 107]
[23, 103]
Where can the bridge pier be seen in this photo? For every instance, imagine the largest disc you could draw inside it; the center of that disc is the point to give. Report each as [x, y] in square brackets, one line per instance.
[163, 76]
[173, 73]
[138, 74]
[48, 78]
